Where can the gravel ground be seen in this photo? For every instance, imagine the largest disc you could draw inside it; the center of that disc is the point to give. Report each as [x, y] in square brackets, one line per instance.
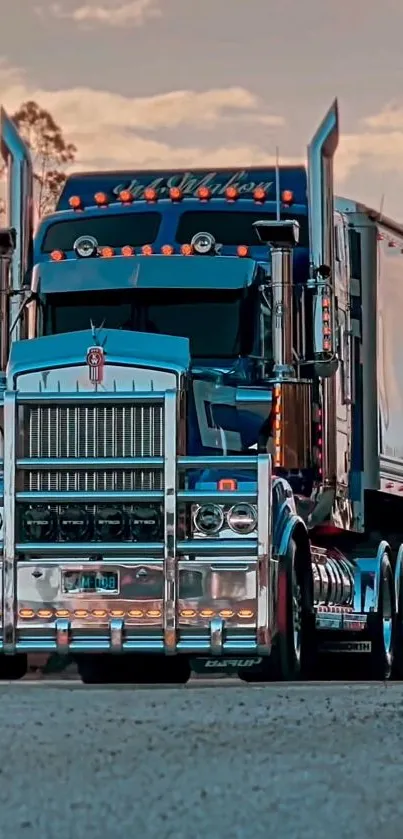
[223, 761]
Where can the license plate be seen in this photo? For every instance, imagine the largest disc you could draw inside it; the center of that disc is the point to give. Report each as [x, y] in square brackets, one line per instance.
[91, 582]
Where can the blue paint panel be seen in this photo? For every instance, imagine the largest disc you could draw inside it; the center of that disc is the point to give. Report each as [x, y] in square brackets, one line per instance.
[120, 346]
[87, 184]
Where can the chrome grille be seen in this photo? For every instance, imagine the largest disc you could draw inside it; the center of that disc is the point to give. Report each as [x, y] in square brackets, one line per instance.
[93, 431]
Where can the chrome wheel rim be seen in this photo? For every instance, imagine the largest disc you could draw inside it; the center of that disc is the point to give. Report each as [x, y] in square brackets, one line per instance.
[296, 618]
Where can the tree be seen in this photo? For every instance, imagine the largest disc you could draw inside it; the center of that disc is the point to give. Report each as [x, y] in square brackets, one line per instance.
[51, 154]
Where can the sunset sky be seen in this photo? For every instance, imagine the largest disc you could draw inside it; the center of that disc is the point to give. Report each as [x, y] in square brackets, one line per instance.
[219, 82]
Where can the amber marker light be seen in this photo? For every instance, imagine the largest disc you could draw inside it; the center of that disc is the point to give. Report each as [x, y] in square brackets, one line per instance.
[106, 252]
[75, 202]
[101, 199]
[57, 256]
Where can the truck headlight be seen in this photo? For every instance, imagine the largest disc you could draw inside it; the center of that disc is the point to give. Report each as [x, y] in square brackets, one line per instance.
[208, 519]
[242, 518]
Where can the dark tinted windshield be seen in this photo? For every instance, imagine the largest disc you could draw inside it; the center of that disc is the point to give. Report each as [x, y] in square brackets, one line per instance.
[232, 228]
[212, 320]
[116, 230]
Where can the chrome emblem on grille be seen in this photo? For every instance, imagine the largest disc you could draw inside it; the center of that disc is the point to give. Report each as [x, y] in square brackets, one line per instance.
[96, 361]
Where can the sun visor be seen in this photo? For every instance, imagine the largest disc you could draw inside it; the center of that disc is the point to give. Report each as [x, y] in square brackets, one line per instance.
[102, 274]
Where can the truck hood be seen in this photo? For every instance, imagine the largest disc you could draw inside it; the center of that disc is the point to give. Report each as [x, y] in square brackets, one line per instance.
[121, 347]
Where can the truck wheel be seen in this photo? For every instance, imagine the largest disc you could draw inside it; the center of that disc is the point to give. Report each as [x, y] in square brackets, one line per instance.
[13, 667]
[292, 652]
[397, 671]
[379, 661]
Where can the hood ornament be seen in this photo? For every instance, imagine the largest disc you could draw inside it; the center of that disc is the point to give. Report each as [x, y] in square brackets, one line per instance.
[96, 356]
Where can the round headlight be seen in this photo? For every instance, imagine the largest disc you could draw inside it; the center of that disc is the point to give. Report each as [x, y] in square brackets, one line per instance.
[74, 524]
[203, 243]
[242, 518]
[85, 246]
[209, 519]
[109, 523]
[145, 523]
[38, 524]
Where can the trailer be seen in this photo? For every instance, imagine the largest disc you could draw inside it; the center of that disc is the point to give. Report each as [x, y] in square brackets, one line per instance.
[200, 409]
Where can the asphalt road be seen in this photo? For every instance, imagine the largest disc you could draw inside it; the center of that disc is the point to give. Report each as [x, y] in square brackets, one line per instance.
[216, 759]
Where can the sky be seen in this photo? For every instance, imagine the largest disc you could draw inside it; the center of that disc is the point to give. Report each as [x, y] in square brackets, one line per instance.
[219, 82]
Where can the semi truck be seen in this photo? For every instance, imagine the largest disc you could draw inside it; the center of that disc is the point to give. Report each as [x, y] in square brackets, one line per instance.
[201, 419]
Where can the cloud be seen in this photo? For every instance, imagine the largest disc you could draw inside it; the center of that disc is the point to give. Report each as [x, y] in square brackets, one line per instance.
[109, 13]
[112, 130]
[116, 131]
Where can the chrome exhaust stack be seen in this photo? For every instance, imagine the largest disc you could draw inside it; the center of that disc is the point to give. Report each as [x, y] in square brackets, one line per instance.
[321, 153]
[19, 214]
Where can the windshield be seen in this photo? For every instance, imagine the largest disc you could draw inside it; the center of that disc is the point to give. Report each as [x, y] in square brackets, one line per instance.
[219, 324]
[116, 230]
[232, 228]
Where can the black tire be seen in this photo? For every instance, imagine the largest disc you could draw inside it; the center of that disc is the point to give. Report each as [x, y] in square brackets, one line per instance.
[397, 671]
[293, 652]
[379, 663]
[13, 667]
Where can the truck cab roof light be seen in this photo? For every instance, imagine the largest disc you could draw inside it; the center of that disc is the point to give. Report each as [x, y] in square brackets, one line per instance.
[167, 250]
[227, 485]
[151, 195]
[75, 202]
[287, 196]
[86, 246]
[203, 243]
[126, 197]
[175, 194]
[106, 252]
[259, 195]
[232, 193]
[204, 193]
[186, 250]
[127, 250]
[101, 199]
[57, 256]
[147, 250]
[242, 250]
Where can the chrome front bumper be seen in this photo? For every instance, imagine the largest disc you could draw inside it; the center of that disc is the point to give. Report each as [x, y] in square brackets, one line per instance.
[211, 595]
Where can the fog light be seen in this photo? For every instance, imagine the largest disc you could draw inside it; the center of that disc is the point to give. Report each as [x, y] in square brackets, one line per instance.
[208, 519]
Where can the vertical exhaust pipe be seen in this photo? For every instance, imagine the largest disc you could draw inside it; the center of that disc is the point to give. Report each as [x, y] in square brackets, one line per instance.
[19, 210]
[281, 237]
[321, 152]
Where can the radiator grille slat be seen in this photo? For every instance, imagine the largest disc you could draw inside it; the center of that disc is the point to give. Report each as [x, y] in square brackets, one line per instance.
[93, 431]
